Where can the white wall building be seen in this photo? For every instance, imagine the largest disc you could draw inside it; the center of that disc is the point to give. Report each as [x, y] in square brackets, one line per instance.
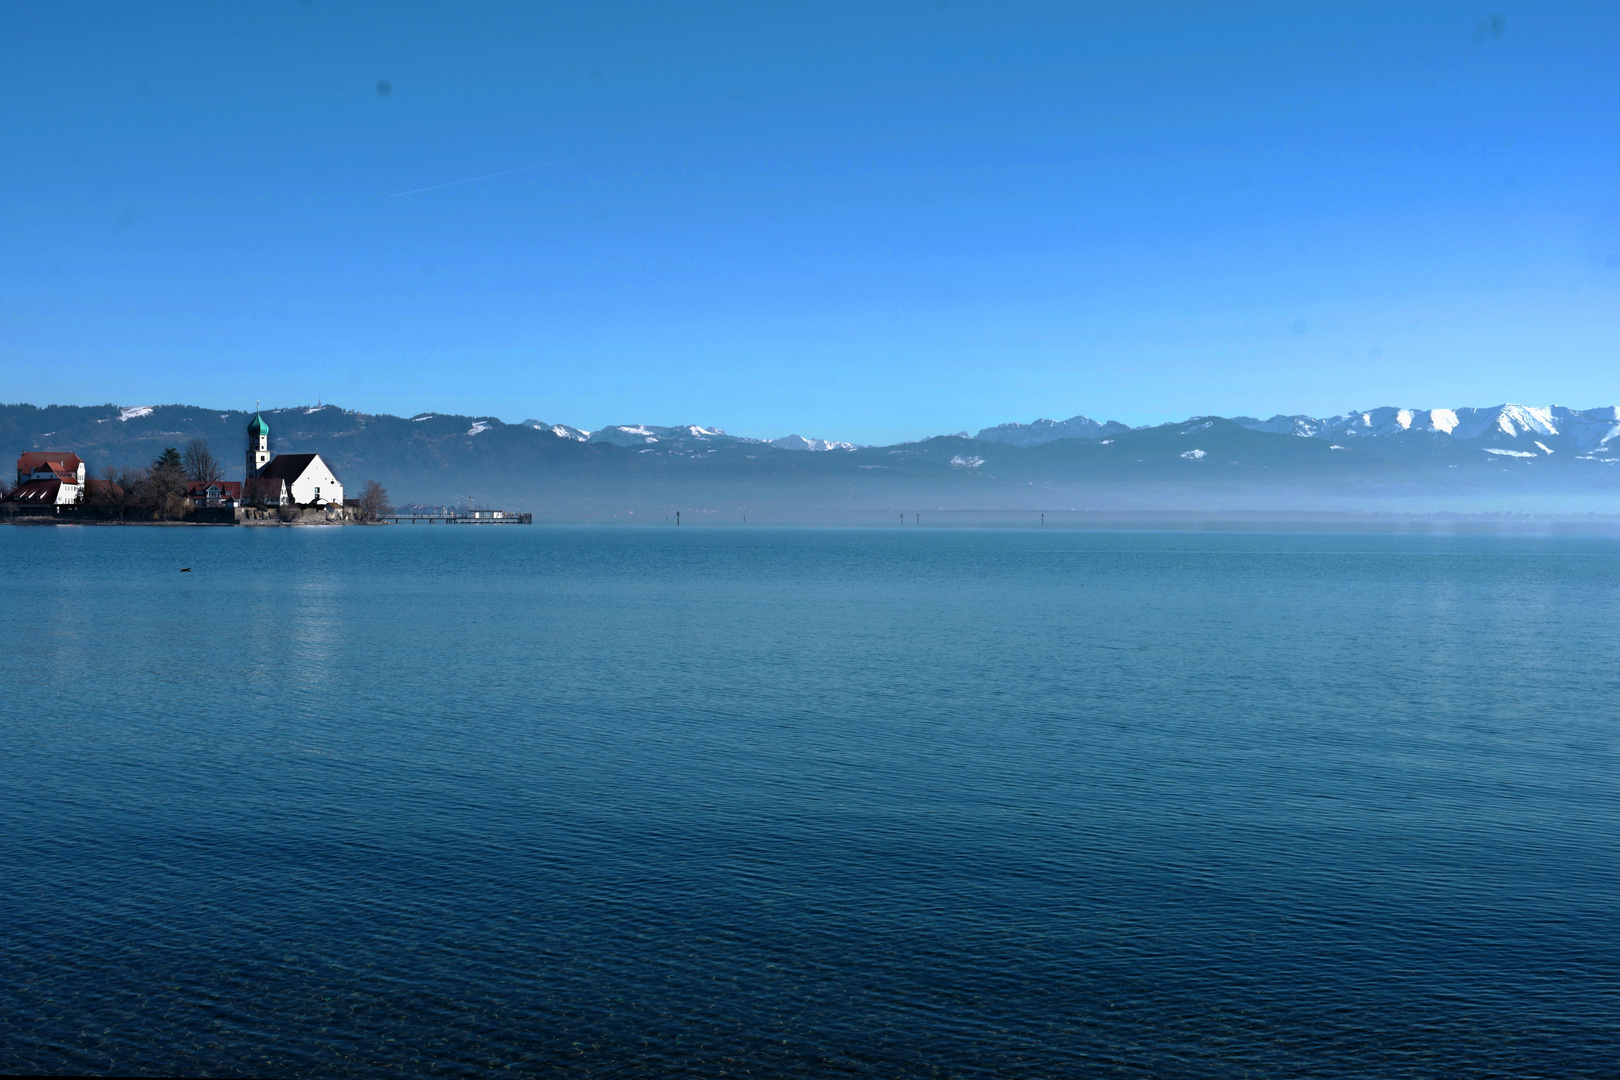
[49, 478]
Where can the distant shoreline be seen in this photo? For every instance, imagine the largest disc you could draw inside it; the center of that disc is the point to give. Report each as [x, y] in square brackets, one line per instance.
[97, 523]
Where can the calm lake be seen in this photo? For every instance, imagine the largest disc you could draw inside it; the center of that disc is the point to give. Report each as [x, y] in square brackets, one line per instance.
[647, 801]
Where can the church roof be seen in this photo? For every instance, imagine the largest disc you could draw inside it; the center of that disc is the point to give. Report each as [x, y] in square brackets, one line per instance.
[288, 467]
[257, 426]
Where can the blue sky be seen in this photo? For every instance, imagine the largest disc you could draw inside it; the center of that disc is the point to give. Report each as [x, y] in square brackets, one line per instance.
[870, 221]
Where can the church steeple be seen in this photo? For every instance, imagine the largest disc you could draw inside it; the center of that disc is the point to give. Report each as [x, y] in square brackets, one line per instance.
[258, 454]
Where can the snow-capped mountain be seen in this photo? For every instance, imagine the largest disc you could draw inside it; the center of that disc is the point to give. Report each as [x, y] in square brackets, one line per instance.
[1303, 426]
[1044, 431]
[562, 431]
[1520, 431]
[636, 434]
[642, 435]
[799, 442]
[1511, 430]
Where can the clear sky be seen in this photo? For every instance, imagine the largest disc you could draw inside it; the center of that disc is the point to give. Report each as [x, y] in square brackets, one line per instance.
[869, 221]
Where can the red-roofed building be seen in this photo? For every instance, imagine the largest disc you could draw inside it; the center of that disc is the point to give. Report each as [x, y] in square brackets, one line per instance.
[48, 478]
[44, 493]
[217, 493]
[50, 465]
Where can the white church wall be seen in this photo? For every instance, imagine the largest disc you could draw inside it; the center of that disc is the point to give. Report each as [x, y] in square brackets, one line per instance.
[317, 482]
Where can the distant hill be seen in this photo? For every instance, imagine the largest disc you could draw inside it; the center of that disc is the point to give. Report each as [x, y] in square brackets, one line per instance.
[1043, 431]
[1385, 459]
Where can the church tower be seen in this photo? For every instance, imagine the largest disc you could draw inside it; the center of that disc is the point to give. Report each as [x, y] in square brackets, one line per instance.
[258, 453]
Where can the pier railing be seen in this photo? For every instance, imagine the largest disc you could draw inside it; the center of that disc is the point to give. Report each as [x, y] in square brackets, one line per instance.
[473, 517]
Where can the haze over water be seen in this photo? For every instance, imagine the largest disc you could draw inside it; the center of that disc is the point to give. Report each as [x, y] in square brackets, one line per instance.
[625, 802]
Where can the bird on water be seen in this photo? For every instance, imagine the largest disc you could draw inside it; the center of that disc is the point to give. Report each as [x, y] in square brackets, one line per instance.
[185, 569]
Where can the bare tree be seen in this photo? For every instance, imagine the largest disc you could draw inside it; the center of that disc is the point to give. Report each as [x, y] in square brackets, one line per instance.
[121, 488]
[373, 502]
[98, 489]
[200, 464]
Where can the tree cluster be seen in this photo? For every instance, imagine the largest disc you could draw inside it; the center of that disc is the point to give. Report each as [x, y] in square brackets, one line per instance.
[159, 490]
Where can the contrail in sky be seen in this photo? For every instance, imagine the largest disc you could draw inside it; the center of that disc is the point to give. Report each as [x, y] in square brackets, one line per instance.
[509, 172]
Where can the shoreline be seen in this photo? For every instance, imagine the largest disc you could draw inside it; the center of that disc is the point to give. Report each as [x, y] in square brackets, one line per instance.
[96, 523]
[1441, 523]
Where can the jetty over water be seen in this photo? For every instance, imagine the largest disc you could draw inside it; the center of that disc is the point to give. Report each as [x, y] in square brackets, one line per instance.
[467, 517]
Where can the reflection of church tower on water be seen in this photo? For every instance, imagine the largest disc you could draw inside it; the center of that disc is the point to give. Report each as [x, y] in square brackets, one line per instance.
[258, 452]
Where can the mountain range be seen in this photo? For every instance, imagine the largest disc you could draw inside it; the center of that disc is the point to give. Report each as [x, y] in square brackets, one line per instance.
[1398, 434]
[1502, 457]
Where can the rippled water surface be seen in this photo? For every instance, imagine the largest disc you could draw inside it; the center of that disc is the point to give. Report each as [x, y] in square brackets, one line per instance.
[779, 803]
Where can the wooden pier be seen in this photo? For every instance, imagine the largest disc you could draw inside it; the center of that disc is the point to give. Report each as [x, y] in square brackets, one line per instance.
[474, 517]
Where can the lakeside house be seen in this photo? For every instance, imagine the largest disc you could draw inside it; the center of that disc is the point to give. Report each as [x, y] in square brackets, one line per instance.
[215, 493]
[301, 479]
[48, 478]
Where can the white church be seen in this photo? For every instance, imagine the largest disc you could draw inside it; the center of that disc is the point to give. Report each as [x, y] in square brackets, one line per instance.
[300, 479]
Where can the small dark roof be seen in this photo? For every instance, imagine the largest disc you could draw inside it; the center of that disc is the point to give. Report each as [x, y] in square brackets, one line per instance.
[288, 467]
[226, 487]
[38, 491]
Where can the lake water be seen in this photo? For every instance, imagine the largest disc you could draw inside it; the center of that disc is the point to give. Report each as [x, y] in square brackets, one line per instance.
[637, 802]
